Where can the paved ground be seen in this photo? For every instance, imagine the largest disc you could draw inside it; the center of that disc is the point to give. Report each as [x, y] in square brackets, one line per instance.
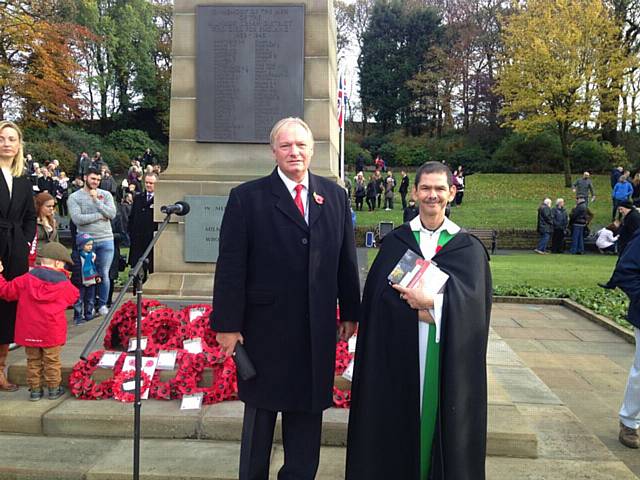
[583, 364]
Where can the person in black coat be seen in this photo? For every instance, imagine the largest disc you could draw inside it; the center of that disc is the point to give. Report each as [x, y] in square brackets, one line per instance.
[371, 192]
[395, 430]
[141, 224]
[630, 224]
[545, 225]
[287, 255]
[17, 230]
[560, 224]
[404, 188]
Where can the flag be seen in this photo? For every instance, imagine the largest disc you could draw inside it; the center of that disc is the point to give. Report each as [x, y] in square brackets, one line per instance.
[342, 101]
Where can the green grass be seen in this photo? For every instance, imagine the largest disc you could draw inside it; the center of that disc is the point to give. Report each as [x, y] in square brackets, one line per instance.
[551, 271]
[505, 201]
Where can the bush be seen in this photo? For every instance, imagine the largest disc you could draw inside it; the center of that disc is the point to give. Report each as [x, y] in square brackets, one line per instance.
[134, 143]
[473, 158]
[589, 155]
[410, 155]
[351, 152]
[44, 151]
[532, 154]
[373, 143]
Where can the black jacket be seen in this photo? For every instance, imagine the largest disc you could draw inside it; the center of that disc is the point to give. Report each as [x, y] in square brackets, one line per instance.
[545, 219]
[277, 281]
[17, 229]
[384, 422]
[629, 226]
[560, 218]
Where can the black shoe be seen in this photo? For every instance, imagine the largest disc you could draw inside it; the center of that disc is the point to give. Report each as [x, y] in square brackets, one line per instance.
[36, 394]
[55, 392]
[606, 285]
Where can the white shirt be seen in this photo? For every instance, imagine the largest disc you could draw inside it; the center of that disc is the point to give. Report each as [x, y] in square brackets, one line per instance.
[428, 245]
[9, 179]
[304, 193]
[605, 238]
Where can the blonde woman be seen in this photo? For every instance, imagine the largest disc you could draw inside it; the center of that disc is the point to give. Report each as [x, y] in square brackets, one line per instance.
[17, 228]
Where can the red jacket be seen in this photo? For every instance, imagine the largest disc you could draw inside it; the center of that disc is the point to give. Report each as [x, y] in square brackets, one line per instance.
[43, 295]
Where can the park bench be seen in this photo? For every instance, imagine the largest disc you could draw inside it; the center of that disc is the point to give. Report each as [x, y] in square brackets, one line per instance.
[487, 236]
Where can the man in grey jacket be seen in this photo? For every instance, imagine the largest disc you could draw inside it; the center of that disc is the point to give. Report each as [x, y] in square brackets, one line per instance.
[91, 210]
[583, 187]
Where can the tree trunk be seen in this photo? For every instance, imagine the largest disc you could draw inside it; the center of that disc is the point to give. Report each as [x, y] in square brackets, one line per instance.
[563, 131]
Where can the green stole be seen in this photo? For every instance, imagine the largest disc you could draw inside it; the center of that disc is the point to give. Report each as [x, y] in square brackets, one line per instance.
[431, 384]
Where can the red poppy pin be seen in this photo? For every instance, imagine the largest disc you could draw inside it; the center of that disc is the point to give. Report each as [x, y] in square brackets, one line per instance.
[319, 199]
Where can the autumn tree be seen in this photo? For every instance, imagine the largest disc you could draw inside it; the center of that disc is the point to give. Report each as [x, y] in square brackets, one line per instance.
[558, 56]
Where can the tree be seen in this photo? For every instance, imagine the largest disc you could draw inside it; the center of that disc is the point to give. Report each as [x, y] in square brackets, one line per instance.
[393, 48]
[558, 56]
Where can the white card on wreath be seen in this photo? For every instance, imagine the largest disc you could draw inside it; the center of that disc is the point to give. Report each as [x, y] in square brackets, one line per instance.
[166, 359]
[352, 343]
[133, 343]
[348, 373]
[109, 359]
[192, 402]
[195, 313]
[193, 346]
[149, 365]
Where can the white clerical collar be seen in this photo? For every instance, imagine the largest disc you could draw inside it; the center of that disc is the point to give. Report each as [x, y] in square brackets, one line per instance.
[290, 184]
[448, 225]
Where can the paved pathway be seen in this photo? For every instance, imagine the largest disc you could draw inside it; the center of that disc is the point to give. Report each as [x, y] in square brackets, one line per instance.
[585, 365]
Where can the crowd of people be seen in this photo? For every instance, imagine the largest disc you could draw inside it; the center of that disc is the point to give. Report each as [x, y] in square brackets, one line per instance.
[555, 224]
[34, 289]
[378, 189]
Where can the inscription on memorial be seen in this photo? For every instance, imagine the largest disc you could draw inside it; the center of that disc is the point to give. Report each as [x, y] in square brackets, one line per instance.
[202, 227]
[250, 70]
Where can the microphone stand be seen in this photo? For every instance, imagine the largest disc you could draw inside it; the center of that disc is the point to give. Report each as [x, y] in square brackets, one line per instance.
[136, 276]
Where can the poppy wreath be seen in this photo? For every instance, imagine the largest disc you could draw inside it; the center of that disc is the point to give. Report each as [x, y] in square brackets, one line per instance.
[189, 372]
[224, 385]
[123, 323]
[160, 326]
[119, 393]
[342, 398]
[84, 387]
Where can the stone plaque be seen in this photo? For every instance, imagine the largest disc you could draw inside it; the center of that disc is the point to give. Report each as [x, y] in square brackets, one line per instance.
[250, 70]
[202, 227]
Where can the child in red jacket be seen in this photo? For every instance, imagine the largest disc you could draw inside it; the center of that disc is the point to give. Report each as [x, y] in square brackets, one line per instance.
[43, 295]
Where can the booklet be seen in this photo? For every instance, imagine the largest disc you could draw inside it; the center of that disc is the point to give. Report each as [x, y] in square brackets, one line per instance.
[133, 343]
[352, 343]
[348, 373]
[148, 366]
[412, 270]
[166, 359]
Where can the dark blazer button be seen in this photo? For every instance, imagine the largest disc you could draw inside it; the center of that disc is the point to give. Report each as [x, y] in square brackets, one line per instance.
[305, 241]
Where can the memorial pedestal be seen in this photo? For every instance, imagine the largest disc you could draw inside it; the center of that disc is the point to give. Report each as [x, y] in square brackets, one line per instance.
[197, 168]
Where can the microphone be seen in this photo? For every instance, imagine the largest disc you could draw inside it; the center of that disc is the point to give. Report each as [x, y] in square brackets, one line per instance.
[179, 208]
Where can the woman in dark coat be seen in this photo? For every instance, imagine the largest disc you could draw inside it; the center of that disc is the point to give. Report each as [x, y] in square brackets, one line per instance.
[17, 229]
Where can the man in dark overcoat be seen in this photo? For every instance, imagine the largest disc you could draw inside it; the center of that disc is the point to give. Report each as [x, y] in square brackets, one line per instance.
[17, 229]
[140, 224]
[626, 276]
[287, 257]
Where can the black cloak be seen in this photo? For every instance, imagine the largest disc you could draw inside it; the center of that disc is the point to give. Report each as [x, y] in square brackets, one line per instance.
[384, 423]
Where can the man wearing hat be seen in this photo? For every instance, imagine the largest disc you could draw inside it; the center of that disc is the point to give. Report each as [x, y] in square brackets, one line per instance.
[630, 223]
[43, 294]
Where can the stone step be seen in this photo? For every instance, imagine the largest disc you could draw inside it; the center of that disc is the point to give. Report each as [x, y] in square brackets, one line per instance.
[508, 435]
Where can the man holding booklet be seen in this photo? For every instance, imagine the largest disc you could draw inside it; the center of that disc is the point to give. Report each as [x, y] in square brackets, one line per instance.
[419, 394]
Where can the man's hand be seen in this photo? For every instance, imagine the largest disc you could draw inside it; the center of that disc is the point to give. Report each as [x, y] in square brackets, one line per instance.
[228, 341]
[425, 317]
[93, 194]
[1, 267]
[415, 297]
[346, 329]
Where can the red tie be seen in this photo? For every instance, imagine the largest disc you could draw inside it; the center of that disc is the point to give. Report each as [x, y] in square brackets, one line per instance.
[298, 199]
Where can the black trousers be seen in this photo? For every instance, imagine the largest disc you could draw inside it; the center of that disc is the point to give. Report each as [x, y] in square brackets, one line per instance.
[557, 241]
[300, 439]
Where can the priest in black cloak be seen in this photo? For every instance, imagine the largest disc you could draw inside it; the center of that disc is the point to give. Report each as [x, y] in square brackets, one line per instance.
[419, 393]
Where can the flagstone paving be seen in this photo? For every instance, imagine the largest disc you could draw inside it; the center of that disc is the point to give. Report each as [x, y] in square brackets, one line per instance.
[586, 367]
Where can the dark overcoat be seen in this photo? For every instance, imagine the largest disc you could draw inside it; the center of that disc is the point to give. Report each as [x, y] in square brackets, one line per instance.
[17, 229]
[384, 422]
[141, 227]
[278, 280]
[626, 276]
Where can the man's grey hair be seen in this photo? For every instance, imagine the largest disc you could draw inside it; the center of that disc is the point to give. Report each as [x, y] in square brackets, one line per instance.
[286, 121]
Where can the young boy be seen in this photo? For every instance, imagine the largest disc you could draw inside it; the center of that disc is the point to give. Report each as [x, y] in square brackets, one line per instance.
[90, 278]
[43, 294]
